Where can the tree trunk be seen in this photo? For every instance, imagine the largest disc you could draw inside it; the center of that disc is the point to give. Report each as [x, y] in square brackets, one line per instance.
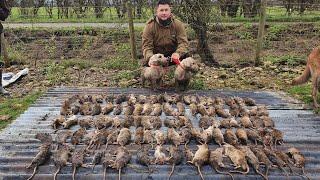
[203, 48]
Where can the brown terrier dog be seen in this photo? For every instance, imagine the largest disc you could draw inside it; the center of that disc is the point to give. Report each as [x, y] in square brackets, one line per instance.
[312, 70]
[184, 72]
[154, 73]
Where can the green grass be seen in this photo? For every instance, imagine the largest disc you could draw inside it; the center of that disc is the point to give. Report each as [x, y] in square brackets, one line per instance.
[197, 84]
[302, 92]
[79, 63]
[14, 107]
[120, 63]
[289, 60]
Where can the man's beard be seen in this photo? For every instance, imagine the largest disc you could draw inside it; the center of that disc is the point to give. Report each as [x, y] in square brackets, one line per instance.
[166, 22]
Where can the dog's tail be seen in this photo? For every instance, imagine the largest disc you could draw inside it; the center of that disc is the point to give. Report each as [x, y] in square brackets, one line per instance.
[303, 78]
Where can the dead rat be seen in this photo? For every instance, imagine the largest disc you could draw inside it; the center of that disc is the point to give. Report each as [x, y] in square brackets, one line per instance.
[73, 120]
[160, 156]
[117, 109]
[156, 122]
[116, 122]
[124, 137]
[98, 98]
[143, 157]
[157, 110]
[138, 136]
[181, 109]
[148, 137]
[107, 161]
[42, 156]
[216, 161]
[175, 158]
[86, 109]
[128, 110]
[233, 123]
[225, 123]
[230, 101]
[120, 98]
[237, 157]
[142, 99]
[168, 98]
[112, 137]
[202, 110]
[147, 109]
[188, 154]
[205, 122]
[62, 137]
[85, 122]
[138, 108]
[219, 101]
[65, 108]
[211, 111]
[242, 136]
[110, 98]
[77, 136]
[194, 99]
[127, 122]
[45, 138]
[153, 99]
[299, 159]
[246, 122]
[137, 121]
[101, 122]
[97, 157]
[107, 108]
[60, 158]
[262, 159]
[58, 122]
[193, 109]
[160, 137]
[201, 157]
[234, 111]
[217, 136]
[169, 111]
[267, 122]
[277, 136]
[186, 99]
[222, 113]
[230, 137]
[249, 101]
[253, 136]
[276, 160]
[77, 160]
[174, 137]
[99, 138]
[185, 121]
[145, 122]
[252, 160]
[170, 123]
[122, 159]
[185, 134]
[285, 158]
[132, 100]
[96, 109]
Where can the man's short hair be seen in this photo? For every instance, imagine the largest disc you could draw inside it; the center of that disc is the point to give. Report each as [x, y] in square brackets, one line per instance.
[164, 2]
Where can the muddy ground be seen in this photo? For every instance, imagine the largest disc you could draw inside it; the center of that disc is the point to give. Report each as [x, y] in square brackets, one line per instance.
[90, 57]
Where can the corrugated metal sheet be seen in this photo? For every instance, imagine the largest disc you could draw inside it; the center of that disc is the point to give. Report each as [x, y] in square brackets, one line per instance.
[18, 146]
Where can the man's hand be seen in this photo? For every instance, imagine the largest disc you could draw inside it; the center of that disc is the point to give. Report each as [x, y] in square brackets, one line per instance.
[175, 56]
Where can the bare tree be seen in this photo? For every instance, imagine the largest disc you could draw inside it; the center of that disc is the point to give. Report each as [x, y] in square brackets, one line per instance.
[197, 14]
[49, 4]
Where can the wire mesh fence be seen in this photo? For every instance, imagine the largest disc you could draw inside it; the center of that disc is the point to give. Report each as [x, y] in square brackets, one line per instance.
[287, 35]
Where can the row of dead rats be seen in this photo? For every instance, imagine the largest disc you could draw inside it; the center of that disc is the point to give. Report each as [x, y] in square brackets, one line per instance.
[227, 159]
[94, 104]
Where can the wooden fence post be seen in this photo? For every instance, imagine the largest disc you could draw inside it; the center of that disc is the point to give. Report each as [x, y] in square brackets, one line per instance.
[131, 32]
[262, 23]
[4, 52]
